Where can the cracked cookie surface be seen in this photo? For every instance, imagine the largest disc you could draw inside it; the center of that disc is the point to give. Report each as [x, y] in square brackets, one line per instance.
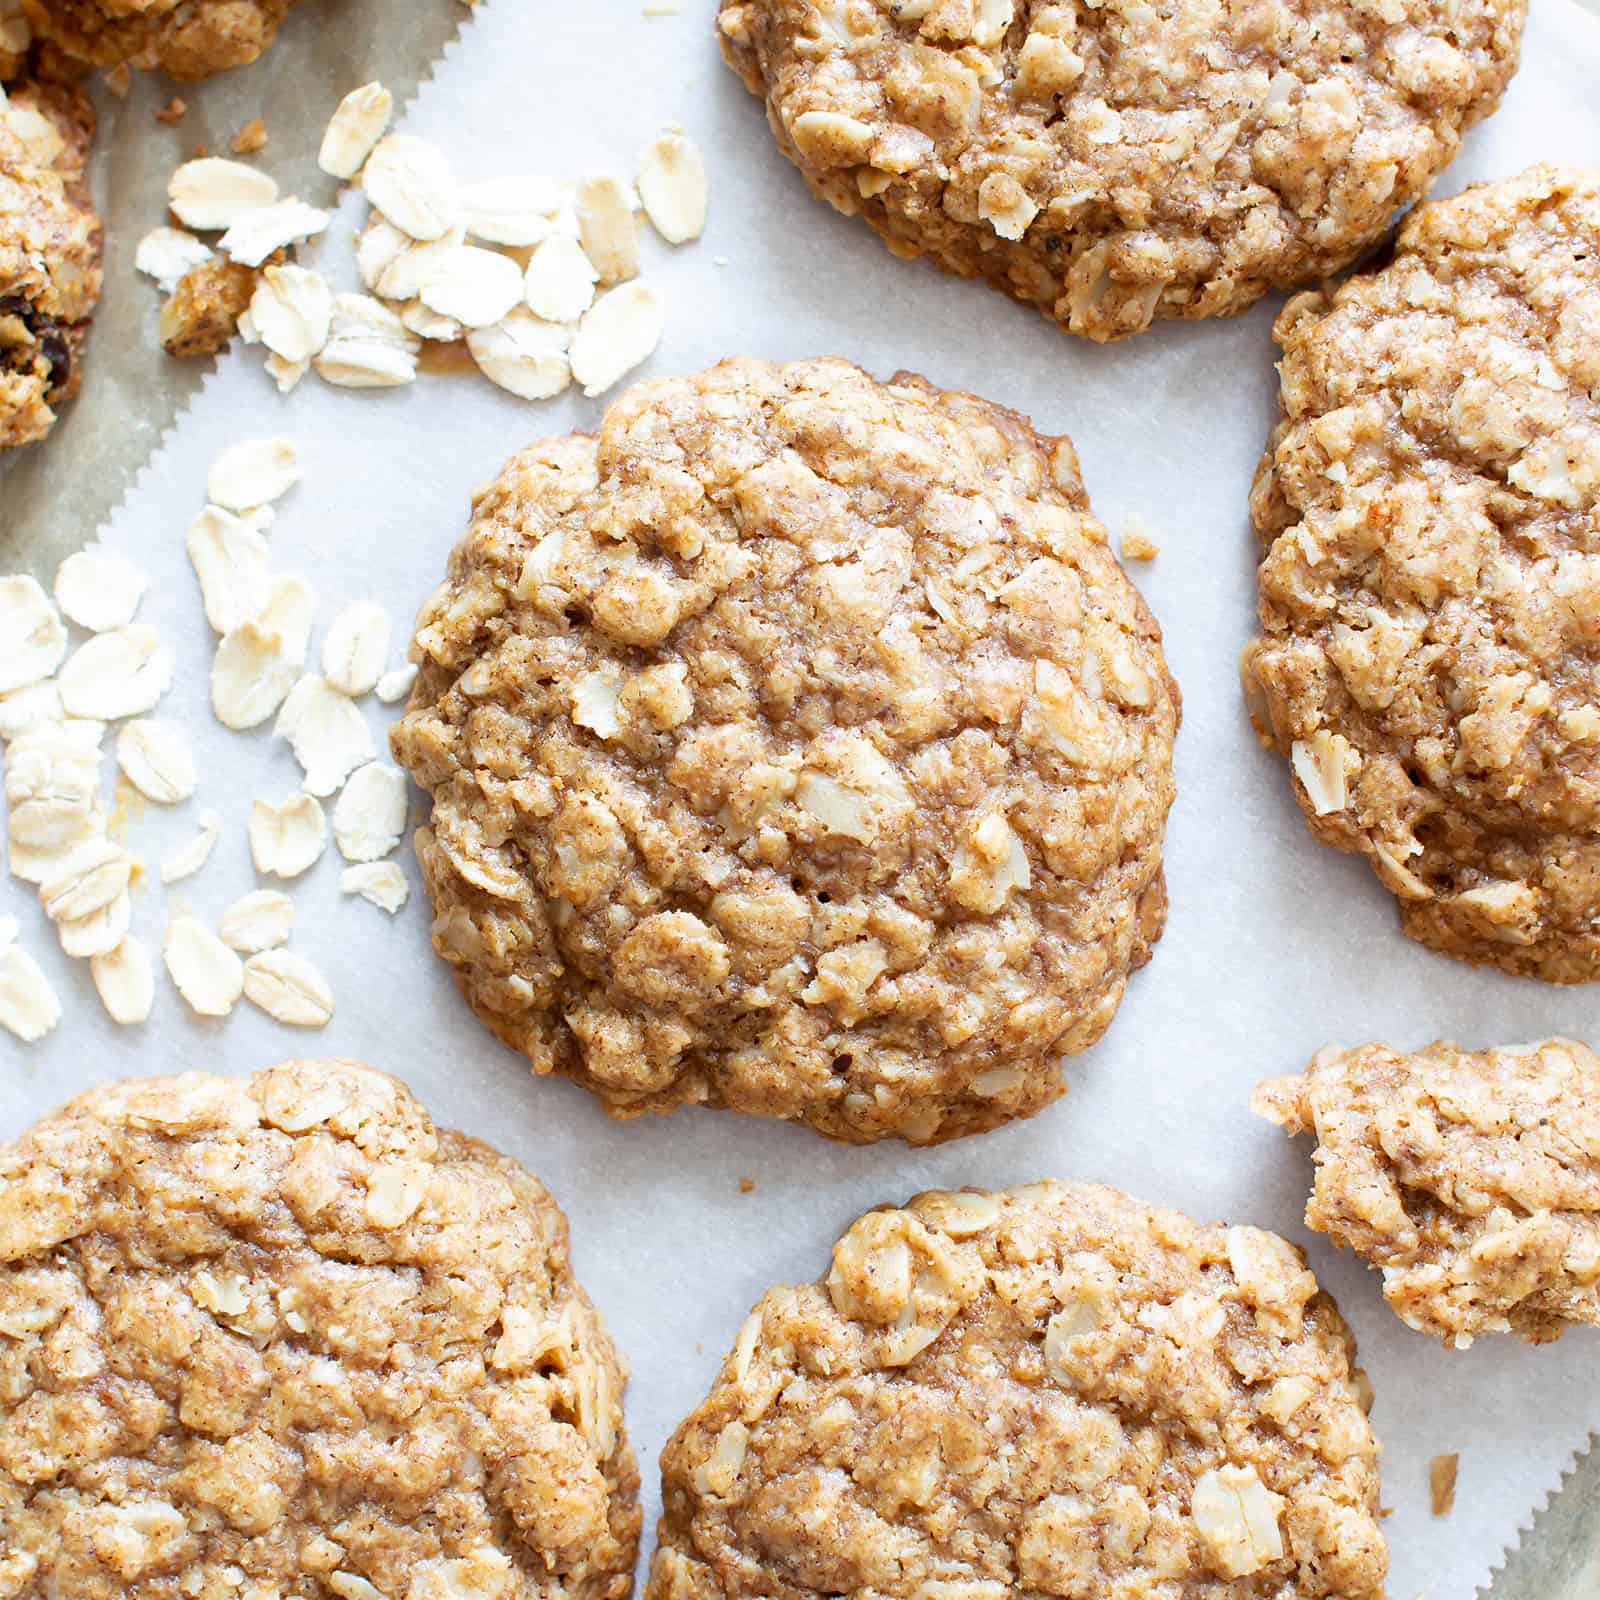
[186, 39]
[279, 1335]
[796, 745]
[1053, 1390]
[1122, 162]
[1470, 1178]
[1429, 507]
[50, 245]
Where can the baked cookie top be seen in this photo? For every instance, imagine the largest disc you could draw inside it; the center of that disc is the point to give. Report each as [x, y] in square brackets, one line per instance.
[1054, 1390]
[796, 745]
[183, 38]
[1124, 161]
[1429, 507]
[1471, 1178]
[280, 1335]
[50, 242]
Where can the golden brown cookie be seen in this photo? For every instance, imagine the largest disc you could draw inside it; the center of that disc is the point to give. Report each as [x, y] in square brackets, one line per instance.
[183, 38]
[50, 241]
[1048, 1391]
[280, 1335]
[1121, 162]
[1471, 1178]
[795, 745]
[1429, 508]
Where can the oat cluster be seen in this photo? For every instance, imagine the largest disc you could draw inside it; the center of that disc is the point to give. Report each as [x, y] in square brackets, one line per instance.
[795, 745]
[1471, 1178]
[1121, 162]
[1054, 1391]
[183, 38]
[1429, 506]
[49, 254]
[280, 1336]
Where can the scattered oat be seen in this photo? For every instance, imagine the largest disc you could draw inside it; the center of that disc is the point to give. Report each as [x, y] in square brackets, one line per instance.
[23, 710]
[286, 374]
[99, 591]
[52, 782]
[355, 128]
[378, 245]
[229, 558]
[116, 674]
[429, 325]
[370, 815]
[103, 929]
[379, 883]
[251, 138]
[620, 331]
[258, 921]
[288, 988]
[212, 193]
[473, 286]
[168, 254]
[607, 227]
[369, 346]
[393, 686]
[672, 188]
[411, 182]
[268, 229]
[173, 112]
[189, 858]
[560, 281]
[157, 760]
[292, 311]
[287, 839]
[253, 473]
[258, 662]
[523, 355]
[355, 648]
[125, 979]
[28, 1005]
[661, 8]
[512, 211]
[1442, 1483]
[91, 880]
[32, 638]
[208, 975]
[326, 731]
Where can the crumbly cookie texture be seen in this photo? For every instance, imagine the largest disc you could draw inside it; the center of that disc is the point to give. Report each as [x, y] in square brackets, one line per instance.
[1471, 1178]
[1054, 1391]
[1122, 162]
[184, 38]
[278, 1335]
[1429, 503]
[796, 745]
[50, 242]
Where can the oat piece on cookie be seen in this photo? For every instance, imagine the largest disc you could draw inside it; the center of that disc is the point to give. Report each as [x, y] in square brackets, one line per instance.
[50, 242]
[281, 1335]
[1122, 162]
[1429, 506]
[1053, 1391]
[1471, 1178]
[186, 39]
[796, 745]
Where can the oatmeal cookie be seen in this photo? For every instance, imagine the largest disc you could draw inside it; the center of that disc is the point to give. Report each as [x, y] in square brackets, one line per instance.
[279, 1335]
[50, 242]
[1429, 506]
[1054, 1391]
[1471, 1178]
[183, 38]
[796, 745]
[1123, 161]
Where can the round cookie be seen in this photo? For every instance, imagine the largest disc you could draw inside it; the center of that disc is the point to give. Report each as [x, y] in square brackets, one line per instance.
[1429, 506]
[1121, 162]
[279, 1335]
[50, 243]
[1053, 1391]
[184, 38]
[796, 745]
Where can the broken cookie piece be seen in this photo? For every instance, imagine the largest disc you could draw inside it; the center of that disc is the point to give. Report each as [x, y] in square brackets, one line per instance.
[203, 312]
[186, 39]
[50, 243]
[1049, 1391]
[1471, 1179]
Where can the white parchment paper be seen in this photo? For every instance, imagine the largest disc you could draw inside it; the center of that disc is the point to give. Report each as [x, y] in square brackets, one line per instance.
[1276, 946]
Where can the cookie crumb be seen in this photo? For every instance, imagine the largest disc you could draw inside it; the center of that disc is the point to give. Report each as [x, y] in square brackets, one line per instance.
[1442, 1483]
[1137, 545]
[119, 80]
[747, 1186]
[250, 138]
[173, 112]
